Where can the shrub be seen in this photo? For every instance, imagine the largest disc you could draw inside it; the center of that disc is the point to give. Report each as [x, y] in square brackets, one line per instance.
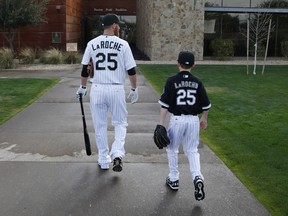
[284, 48]
[52, 56]
[222, 48]
[6, 58]
[27, 56]
[72, 57]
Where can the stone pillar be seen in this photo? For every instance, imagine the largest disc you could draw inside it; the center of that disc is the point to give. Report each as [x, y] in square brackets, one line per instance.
[165, 27]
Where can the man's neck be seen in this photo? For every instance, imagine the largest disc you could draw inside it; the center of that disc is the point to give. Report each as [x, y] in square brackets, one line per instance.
[108, 32]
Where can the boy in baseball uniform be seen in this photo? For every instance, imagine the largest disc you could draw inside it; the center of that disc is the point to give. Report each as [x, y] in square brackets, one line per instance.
[185, 98]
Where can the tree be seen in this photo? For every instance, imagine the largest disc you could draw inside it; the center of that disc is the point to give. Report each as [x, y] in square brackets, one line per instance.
[280, 21]
[259, 26]
[259, 32]
[20, 13]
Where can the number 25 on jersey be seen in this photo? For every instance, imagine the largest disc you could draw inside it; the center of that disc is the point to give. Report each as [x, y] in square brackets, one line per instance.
[186, 97]
[112, 64]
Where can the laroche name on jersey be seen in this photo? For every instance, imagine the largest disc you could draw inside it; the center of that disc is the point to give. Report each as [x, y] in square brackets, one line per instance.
[107, 45]
[189, 84]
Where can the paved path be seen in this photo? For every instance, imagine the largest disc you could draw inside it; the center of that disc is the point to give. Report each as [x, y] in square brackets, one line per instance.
[44, 169]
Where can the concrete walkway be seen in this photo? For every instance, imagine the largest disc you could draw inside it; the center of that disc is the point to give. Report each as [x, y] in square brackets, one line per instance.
[45, 171]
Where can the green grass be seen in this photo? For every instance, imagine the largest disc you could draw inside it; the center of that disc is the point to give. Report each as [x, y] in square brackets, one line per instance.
[247, 125]
[18, 93]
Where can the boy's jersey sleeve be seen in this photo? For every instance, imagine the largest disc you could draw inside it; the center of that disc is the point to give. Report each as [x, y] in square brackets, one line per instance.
[205, 102]
[164, 99]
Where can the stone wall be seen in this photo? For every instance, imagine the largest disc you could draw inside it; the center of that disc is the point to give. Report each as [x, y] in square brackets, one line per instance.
[165, 27]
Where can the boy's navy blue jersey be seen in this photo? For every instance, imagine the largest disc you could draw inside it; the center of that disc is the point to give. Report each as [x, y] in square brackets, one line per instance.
[184, 94]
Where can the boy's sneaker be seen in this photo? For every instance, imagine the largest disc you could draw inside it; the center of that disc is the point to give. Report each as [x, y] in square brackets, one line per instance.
[117, 164]
[174, 185]
[199, 188]
[104, 166]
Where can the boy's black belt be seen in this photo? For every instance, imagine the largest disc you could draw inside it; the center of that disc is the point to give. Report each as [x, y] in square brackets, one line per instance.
[184, 114]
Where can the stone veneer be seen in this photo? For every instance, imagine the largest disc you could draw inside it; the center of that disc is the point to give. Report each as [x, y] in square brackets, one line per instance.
[165, 27]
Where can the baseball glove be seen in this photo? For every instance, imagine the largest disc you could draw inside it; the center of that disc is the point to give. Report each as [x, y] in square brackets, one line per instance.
[160, 137]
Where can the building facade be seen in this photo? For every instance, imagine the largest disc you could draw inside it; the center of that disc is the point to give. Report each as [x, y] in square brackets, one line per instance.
[64, 25]
[68, 21]
[229, 20]
[158, 28]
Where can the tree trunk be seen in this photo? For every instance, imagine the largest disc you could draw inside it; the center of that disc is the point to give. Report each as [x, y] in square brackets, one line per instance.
[248, 38]
[267, 44]
[255, 59]
[9, 36]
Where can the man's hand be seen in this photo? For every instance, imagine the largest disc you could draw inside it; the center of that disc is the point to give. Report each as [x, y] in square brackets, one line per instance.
[82, 90]
[133, 95]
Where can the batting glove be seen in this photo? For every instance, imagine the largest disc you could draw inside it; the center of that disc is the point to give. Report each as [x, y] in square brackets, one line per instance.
[133, 95]
[81, 91]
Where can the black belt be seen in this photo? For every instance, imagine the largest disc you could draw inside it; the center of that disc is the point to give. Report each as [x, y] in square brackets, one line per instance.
[184, 114]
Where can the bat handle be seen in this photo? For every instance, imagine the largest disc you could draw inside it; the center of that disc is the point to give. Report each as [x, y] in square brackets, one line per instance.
[81, 104]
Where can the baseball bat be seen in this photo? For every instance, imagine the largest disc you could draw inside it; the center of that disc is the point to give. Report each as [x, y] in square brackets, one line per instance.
[86, 135]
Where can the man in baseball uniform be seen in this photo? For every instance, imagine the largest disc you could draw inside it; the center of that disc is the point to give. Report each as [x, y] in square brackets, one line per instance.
[112, 59]
[185, 97]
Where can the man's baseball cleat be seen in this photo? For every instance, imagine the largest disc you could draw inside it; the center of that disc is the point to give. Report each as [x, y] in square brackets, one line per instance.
[104, 166]
[174, 185]
[199, 188]
[117, 164]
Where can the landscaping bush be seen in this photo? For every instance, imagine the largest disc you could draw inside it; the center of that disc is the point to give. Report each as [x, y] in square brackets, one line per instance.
[52, 56]
[72, 57]
[27, 56]
[284, 48]
[6, 58]
[222, 48]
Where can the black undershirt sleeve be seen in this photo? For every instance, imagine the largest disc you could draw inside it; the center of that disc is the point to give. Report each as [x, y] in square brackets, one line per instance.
[132, 71]
[84, 72]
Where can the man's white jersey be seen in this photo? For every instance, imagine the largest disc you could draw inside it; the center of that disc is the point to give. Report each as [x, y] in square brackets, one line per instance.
[111, 57]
